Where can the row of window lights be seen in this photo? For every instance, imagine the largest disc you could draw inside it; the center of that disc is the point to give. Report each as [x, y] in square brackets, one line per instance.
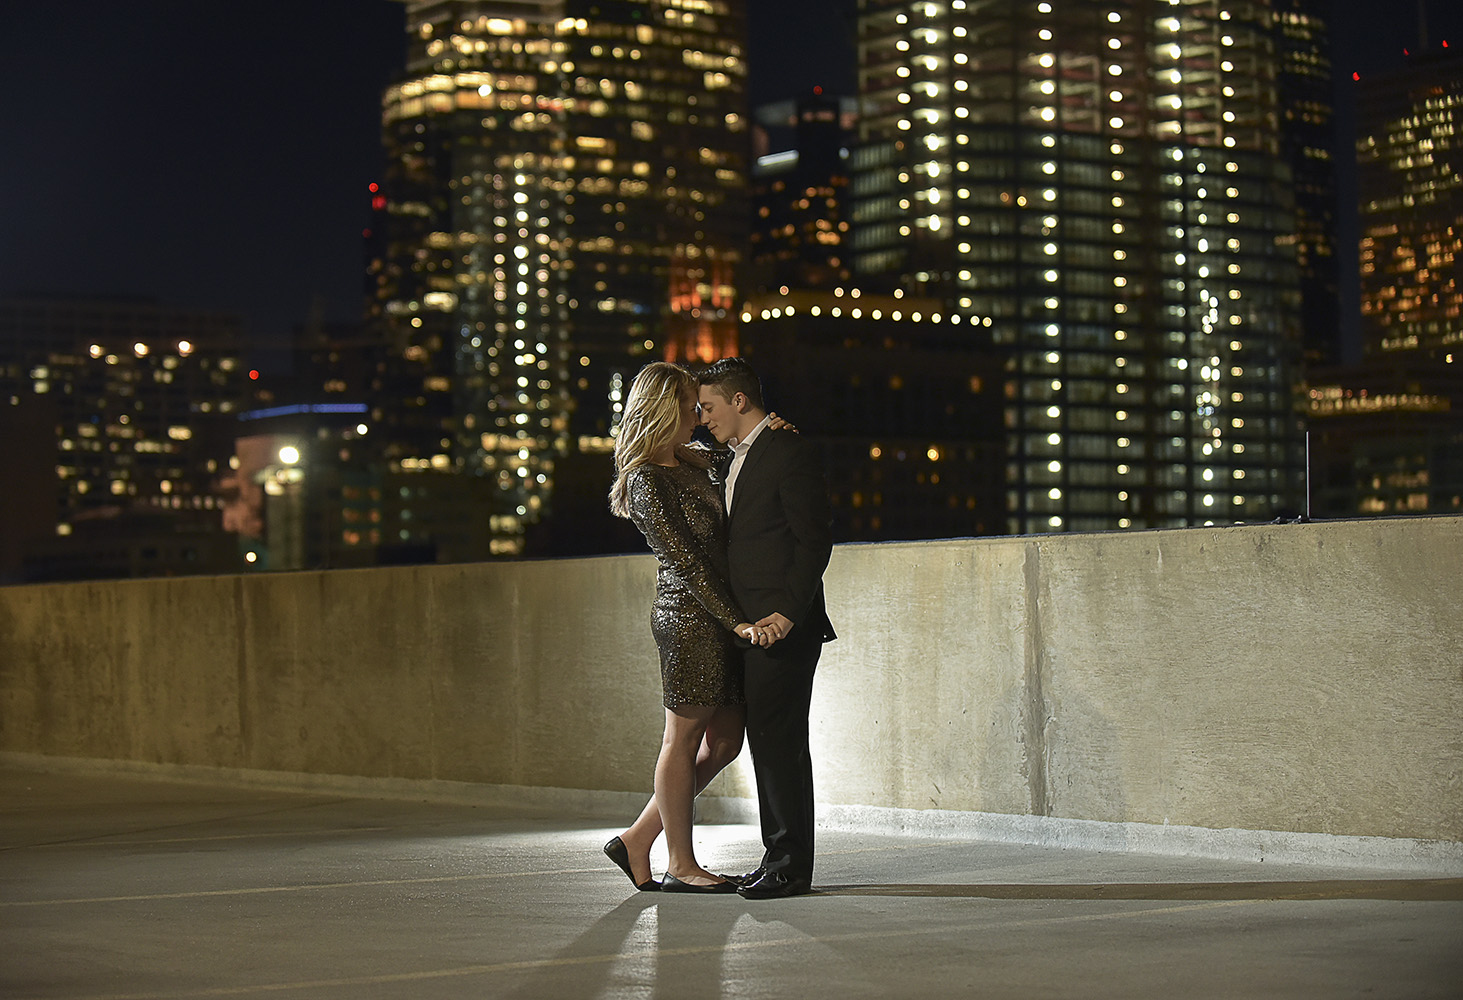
[1123, 495]
[1175, 101]
[1047, 114]
[1050, 195]
[934, 454]
[933, 167]
[1046, 60]
[1055, 412]
[141, 350]
[856, 312]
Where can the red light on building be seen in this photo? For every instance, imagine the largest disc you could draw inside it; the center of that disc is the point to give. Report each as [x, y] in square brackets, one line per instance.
[254, 374]
[818, 90]
[378, 203]
[1356, 76]
[373, 187]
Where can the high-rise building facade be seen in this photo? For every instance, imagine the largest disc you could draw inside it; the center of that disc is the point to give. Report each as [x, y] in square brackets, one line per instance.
[133, 408]
[800, 232]
[1410, 181]
[907, 415]
[565, 200]
[1098, 191]
[1387, 433]
[1307, 136]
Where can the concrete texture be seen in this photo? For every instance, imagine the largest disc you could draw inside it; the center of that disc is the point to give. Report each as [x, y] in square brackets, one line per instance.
[1294, 678]
[115, 887]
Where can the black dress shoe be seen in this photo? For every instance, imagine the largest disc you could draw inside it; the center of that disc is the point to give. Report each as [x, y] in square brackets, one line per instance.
[747, 879]
[616, 851]
[775, 885]
[672, 884]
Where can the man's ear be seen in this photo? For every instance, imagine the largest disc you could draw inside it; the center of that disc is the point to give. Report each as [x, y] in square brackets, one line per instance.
[741, 402]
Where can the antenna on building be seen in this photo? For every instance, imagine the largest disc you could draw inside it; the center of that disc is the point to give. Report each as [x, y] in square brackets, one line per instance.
[1308, 475]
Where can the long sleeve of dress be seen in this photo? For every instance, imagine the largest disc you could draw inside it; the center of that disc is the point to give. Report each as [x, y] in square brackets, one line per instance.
[656, 511]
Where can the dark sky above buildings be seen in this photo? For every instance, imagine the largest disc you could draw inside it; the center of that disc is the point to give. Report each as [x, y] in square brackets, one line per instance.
[216, 156]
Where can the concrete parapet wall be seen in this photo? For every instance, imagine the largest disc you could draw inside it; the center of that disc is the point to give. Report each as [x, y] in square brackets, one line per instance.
[1300, 678]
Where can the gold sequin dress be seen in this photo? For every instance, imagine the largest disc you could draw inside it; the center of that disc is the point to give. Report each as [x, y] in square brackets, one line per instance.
[678, 509]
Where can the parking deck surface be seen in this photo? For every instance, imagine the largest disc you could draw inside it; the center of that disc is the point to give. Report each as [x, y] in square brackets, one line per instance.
[114, 887]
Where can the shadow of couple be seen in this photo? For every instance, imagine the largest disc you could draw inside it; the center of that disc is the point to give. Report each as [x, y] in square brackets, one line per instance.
[662, 946]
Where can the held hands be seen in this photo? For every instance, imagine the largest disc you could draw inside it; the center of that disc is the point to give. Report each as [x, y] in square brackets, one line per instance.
[776, 625]
[767, 631]
[755, 634]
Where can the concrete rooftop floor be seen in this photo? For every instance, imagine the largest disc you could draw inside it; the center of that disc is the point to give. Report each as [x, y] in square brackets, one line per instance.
[140, 888]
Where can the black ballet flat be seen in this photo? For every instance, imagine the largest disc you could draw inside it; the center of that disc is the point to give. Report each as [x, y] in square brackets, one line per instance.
[672, 884]
[616, 851]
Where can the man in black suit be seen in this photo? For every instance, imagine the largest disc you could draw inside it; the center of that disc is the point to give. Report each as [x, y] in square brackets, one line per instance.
[779, 539]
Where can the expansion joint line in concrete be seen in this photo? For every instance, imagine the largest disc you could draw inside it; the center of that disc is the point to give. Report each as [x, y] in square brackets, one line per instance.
[1034, 703]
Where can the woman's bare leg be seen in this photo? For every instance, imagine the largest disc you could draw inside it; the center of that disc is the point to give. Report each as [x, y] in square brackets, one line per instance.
[675, 787]
[720, 745]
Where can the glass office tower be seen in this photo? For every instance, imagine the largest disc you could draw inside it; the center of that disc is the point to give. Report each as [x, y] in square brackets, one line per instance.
[1099, 190]
[1410, 161]
[1307, 135]
[1387, 434]
[564, 201]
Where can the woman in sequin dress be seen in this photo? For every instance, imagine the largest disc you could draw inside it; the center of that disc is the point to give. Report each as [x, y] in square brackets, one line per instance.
[666, 489]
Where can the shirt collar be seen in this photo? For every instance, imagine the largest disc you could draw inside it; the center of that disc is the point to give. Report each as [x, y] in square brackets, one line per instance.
[746, 442]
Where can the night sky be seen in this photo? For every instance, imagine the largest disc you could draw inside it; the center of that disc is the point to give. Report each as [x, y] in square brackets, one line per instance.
[216, 156]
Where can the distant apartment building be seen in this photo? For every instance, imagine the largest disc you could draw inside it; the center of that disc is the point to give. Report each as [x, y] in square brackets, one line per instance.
[134, 406]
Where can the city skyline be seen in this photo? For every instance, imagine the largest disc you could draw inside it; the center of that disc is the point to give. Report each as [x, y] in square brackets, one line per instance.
[1061, 287]
[232, 176]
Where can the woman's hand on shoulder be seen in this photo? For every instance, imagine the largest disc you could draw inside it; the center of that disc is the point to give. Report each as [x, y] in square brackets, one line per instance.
[776, 423]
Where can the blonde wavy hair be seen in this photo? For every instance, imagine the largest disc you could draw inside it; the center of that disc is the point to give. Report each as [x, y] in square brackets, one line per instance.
[652, 417]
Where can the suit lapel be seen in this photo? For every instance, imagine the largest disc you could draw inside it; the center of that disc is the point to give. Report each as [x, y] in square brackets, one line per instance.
[744, 477]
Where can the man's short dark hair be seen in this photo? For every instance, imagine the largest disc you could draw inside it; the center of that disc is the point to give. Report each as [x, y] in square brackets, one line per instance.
[730, 376]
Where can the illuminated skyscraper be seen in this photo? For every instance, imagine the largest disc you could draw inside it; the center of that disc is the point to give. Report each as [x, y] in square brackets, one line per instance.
[1388, 433]
[564, 201]
[799, 234]
[1410, 181]
[1307, 136]
[1098, 192]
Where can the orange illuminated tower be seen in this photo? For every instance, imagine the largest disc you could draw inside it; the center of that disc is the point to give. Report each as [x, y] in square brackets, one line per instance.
[564, 201]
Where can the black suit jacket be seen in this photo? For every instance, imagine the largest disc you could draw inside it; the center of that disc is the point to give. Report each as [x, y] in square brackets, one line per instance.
[780, 536]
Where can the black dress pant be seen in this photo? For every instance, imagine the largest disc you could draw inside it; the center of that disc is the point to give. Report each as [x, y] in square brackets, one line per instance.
[779, 684]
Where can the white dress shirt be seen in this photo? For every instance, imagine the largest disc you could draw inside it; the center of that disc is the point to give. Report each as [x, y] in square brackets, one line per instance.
[739, 455]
